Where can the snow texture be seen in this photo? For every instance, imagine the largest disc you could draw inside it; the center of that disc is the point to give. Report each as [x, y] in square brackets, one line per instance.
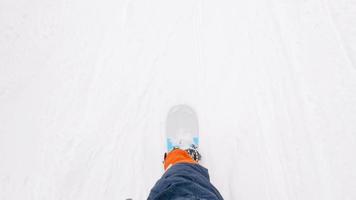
[85, 87]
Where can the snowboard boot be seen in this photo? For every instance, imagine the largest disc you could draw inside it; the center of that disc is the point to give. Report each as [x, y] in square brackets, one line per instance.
[192, 152]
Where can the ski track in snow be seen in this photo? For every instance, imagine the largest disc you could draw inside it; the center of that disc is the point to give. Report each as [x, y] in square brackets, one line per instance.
[85, 87]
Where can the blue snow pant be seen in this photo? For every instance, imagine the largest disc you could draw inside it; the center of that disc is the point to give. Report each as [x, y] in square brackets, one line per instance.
[185, 181]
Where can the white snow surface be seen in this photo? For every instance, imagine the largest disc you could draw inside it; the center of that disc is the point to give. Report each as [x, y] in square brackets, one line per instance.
[85, 87]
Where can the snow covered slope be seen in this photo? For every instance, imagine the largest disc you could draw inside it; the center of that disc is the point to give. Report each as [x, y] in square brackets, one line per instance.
[85, 87]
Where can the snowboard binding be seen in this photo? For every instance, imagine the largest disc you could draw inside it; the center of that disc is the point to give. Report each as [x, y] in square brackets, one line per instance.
[194, 153]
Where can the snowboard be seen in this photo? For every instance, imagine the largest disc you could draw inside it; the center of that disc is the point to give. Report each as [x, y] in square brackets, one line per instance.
[182, 128]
